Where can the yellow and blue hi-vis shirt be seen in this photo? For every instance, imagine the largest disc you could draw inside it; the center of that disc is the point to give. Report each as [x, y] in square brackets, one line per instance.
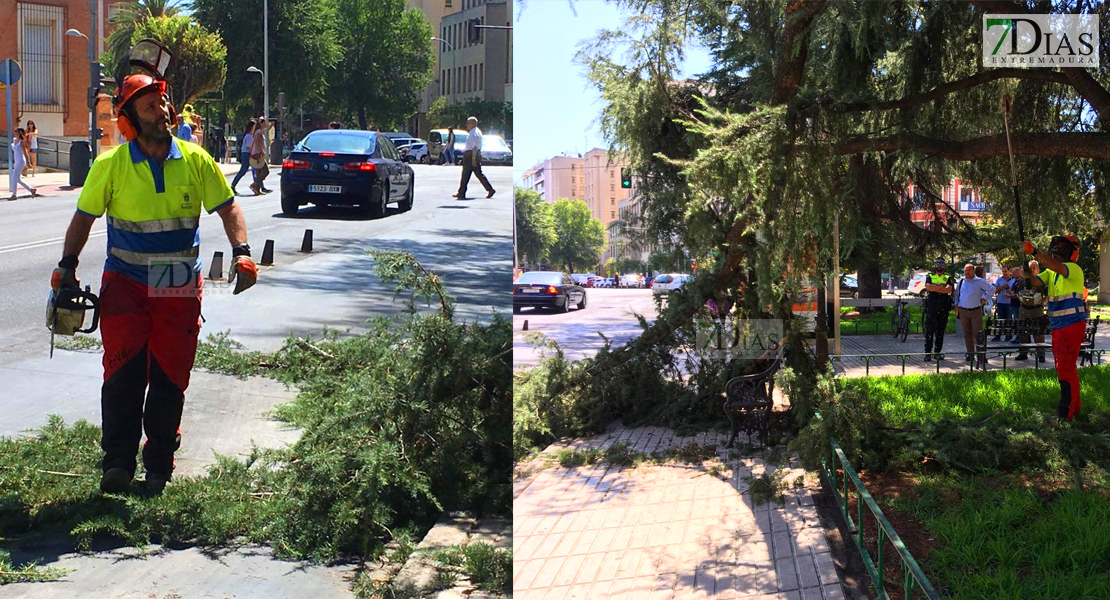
[1065, 296]
[154, 209]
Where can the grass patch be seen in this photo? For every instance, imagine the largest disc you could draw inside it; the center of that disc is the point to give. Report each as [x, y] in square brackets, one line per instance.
[77, 343]
[853, 322]
[965, 395]
[621, 454]
[768, 487]
[1003, 538]
[488, 567]
[398, 425]
[31, 573]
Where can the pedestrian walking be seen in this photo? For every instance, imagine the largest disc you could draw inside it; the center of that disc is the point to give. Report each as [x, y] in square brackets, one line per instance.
[1062, 281]
[472, 160]
[971, 294]
[1030, 305]
[449, 147]
[18, 149]
[33, 146]
[258, 161]
[153, 190]
[244, 155]
[184, 129]
[938, 303]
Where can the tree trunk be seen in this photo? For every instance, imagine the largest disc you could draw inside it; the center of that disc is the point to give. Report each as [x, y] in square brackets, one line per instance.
[362, 118]
[870, 280]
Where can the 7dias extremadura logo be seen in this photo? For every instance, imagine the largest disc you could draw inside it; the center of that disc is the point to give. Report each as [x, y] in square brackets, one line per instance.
[1040, 40]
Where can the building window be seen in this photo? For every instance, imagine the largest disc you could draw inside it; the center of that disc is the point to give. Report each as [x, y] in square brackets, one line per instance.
[40, 43]
[482, 76]
[612, 214]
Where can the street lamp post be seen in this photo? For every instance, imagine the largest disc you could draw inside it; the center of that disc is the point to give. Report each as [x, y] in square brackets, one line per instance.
[94, 85]
[266, 60]
[454, 84]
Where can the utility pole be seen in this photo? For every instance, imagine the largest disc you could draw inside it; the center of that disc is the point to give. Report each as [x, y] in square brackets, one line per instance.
[94, 84]
[266, 60]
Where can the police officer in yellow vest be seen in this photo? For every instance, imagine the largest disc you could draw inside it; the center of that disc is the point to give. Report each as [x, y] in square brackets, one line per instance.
[937, 305]
[1067, 314]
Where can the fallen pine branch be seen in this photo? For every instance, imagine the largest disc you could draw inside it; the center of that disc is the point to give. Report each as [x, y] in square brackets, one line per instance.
[304, 345]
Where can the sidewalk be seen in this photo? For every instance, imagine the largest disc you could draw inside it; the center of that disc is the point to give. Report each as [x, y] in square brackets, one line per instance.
[52, 183]
[662, 532]
[953, 351]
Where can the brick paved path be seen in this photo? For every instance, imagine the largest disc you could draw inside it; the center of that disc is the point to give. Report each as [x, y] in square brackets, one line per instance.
[671, 531]
[915, 344]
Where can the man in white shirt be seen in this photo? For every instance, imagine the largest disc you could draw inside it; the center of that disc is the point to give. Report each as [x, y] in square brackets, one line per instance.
[971, 294]
[472, 160]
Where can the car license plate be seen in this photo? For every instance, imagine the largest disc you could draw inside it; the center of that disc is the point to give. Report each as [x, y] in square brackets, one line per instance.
[531, 290]
[326, 189]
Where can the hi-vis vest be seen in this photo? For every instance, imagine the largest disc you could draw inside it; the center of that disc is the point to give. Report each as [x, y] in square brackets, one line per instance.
[937, 298]
[1065, 296]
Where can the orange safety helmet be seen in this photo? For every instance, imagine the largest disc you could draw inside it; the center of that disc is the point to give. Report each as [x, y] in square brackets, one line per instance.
[1071, 253]
[153, 58]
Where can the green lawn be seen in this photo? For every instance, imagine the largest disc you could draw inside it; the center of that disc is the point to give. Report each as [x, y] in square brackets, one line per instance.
[998, 538]
[916, 398]
[852, 323]
[1012, 504]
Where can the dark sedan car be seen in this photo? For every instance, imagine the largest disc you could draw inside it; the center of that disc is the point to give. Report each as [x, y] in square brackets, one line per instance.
[547, 289]
[347, 167]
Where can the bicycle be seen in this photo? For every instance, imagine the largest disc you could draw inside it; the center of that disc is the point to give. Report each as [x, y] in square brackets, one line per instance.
[900, 319]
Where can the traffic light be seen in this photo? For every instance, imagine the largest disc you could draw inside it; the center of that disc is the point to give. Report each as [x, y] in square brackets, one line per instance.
[473, 34]
[626, 178]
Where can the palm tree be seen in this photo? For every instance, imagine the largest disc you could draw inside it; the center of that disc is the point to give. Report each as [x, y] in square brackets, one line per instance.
[131, 14]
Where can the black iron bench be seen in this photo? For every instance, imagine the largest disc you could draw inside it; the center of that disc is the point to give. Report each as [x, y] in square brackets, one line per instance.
[993, 327]
[749, 399]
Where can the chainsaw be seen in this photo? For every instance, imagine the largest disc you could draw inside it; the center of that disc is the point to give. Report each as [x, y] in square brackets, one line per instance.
[65, 312]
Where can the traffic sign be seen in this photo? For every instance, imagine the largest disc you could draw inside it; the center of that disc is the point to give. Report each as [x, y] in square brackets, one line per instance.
[10, 71]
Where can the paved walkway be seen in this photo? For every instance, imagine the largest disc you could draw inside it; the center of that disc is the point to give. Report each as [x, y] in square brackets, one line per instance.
[915, 345]
[672, 531]
[49, 183]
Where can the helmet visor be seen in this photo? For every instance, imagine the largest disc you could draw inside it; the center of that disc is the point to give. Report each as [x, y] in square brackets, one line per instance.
[151, 56]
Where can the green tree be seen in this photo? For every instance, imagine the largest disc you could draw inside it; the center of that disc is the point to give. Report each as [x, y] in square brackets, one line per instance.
[199, 55]
[579, 236]
[388, 60]
[493, 117]
[303, 47]
[128, 17]
[535, 226]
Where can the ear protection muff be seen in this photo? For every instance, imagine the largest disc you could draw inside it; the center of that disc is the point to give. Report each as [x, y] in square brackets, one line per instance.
[126, 120]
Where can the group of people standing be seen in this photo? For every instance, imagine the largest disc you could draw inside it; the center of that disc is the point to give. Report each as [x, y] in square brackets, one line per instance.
[24, 150]
[1056, 291]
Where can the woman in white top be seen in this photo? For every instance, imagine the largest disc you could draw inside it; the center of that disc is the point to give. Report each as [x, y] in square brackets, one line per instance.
[33, 146]
[18, 162]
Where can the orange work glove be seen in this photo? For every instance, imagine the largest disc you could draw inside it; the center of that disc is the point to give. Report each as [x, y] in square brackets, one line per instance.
[1029, 249]
[244, 273]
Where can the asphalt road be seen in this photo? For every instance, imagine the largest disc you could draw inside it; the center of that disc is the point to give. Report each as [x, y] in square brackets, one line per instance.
[608, 311]
[467, 242]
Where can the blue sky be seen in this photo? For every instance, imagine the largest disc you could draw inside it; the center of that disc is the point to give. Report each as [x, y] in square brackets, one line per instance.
[554, 108]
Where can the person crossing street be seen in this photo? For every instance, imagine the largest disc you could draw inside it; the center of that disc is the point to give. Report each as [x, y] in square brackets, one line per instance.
[152, 190]
[937, 306]
[472, 160]
[1062, 281]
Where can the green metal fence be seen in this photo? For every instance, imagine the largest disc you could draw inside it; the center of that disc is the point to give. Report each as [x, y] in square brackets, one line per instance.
[938, 358]
[914, 577]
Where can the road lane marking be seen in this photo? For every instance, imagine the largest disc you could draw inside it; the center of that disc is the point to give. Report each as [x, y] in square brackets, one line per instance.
[58, 240]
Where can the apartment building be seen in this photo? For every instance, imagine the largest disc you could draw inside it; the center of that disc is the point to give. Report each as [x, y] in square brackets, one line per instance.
[556, 178]
[53, 89]
[482, 70]
[434, 11]
[962, 196]
[603, 189]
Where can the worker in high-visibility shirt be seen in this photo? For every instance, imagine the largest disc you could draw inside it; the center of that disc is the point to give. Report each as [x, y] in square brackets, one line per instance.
[152, 189]
[1067, 314]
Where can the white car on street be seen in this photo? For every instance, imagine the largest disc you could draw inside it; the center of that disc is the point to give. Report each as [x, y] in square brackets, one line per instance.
[664, 284]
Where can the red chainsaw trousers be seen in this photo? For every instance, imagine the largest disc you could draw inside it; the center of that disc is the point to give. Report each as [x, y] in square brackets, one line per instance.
[1065, 351]
[150, 342]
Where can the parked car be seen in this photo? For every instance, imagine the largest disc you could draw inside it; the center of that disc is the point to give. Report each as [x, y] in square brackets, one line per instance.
[849, 286]
[582, 278]
[665, 284]
[395, 136]
[631, 281]
[347, 167]
[547, 289]
[414, 152]
[917, 285]
[495, 151]
[436, 140]
[648, 283]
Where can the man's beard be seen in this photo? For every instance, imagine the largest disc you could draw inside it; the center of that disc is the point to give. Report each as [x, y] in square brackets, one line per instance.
[152, 132]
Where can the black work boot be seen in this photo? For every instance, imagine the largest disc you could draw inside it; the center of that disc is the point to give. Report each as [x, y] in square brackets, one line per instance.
[115, 481]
